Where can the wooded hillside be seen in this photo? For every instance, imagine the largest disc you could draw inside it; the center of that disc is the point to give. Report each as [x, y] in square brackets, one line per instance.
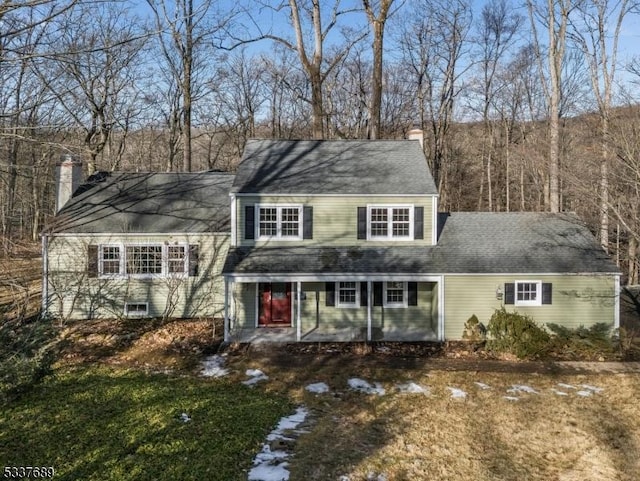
[522, 108]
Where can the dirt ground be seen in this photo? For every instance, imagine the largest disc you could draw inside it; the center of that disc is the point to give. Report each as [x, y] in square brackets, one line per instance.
[182, 344]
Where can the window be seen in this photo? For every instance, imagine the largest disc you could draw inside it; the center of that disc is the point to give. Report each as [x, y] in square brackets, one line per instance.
[395, 294]
[348, 294]
[136, 309]
[176, 259]
[390, 222]
[109, 260]
[279, 222]
[144, 259]
[528, 293]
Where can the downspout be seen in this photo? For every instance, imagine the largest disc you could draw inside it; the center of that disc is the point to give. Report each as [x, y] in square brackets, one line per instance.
[45, 275]
[616, 303]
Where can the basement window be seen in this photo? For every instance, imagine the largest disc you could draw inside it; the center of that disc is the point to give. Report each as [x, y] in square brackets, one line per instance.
[136, 309]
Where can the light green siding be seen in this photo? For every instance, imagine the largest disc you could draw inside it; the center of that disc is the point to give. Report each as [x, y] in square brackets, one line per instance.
[73, 294]
[334, 218]
[576, 300]
[343, 323]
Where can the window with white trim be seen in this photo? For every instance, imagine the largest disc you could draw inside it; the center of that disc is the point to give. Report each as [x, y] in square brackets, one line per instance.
[279, 222]
[136, 309]
[390, 222]
[395, 294]
[177, 259]
[143, 260]
[528, 293]
[348, 294]
[110, 260]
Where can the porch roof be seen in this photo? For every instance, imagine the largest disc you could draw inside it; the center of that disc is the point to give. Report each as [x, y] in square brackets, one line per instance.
[328, 260]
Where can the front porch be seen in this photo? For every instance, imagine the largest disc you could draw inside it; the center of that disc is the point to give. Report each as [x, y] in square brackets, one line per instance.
[336, 309]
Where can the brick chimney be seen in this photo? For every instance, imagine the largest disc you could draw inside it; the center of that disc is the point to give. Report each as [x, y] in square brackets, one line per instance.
[68, 179]
[416, 134]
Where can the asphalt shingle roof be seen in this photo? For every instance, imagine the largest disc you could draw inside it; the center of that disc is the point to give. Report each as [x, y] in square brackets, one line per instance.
[148, 203]
[367, 167]
[507, 243]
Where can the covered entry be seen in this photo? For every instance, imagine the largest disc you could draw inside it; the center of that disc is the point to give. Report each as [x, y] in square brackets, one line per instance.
[275, 308]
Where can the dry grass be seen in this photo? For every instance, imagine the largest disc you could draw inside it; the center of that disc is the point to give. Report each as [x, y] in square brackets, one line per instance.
[483, 437]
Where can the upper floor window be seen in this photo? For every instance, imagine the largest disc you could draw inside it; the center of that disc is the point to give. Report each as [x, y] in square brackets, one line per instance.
[390, 222]
[279, 222]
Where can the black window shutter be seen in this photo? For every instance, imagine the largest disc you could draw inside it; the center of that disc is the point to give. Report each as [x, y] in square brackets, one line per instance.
[92, 261]
[307, 228]
[377, 293]
[194, 258]
[412, 288]
[364, 294]
[330, 293]
[546, 293]
[418, 223]
[509, 293]
[249, 222]
[362, 222]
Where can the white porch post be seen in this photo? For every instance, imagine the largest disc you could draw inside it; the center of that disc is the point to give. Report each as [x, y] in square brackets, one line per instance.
[226, 310]
[298, 309]
[369, 309]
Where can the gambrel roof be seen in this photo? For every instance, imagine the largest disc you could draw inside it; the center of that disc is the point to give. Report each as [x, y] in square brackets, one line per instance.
[334, 167]
[148, 203]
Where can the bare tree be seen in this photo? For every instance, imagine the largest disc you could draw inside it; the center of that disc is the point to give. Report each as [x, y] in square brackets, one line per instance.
[377, 13]
[93, 76]
[599, 44]
[432, 47]
[497, 31]
[313, 60]
[553, 15]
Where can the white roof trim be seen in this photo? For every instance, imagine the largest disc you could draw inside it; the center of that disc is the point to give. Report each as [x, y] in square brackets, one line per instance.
[134, 234]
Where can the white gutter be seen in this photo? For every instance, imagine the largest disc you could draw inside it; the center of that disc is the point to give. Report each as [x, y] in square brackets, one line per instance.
[234, 228]
[45, 275]
[616, 303]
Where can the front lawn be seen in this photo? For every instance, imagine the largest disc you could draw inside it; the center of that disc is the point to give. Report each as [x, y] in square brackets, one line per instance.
[99, 423]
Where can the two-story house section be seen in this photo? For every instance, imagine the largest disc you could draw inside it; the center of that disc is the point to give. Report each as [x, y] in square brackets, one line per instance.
[330, 241]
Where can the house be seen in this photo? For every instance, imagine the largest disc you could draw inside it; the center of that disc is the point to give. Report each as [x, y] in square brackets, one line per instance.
[318, 241]
[137, 245]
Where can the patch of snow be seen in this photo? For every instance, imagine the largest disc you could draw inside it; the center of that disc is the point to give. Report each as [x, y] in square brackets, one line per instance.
[185, 418]
[412, 388]
[270, 465]
[482, 385]
[566, 386]
[517, 388]
[213, 366]
[363, 386]
[344, 478]
[269, 472]
[457, 393]
[511, 398]
[371, 476]
[255, 376]
[593, 388]
[584, 393]
[317, 388]
[558, 392]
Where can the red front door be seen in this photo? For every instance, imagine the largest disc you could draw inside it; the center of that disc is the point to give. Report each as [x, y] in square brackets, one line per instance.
[274, 301]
